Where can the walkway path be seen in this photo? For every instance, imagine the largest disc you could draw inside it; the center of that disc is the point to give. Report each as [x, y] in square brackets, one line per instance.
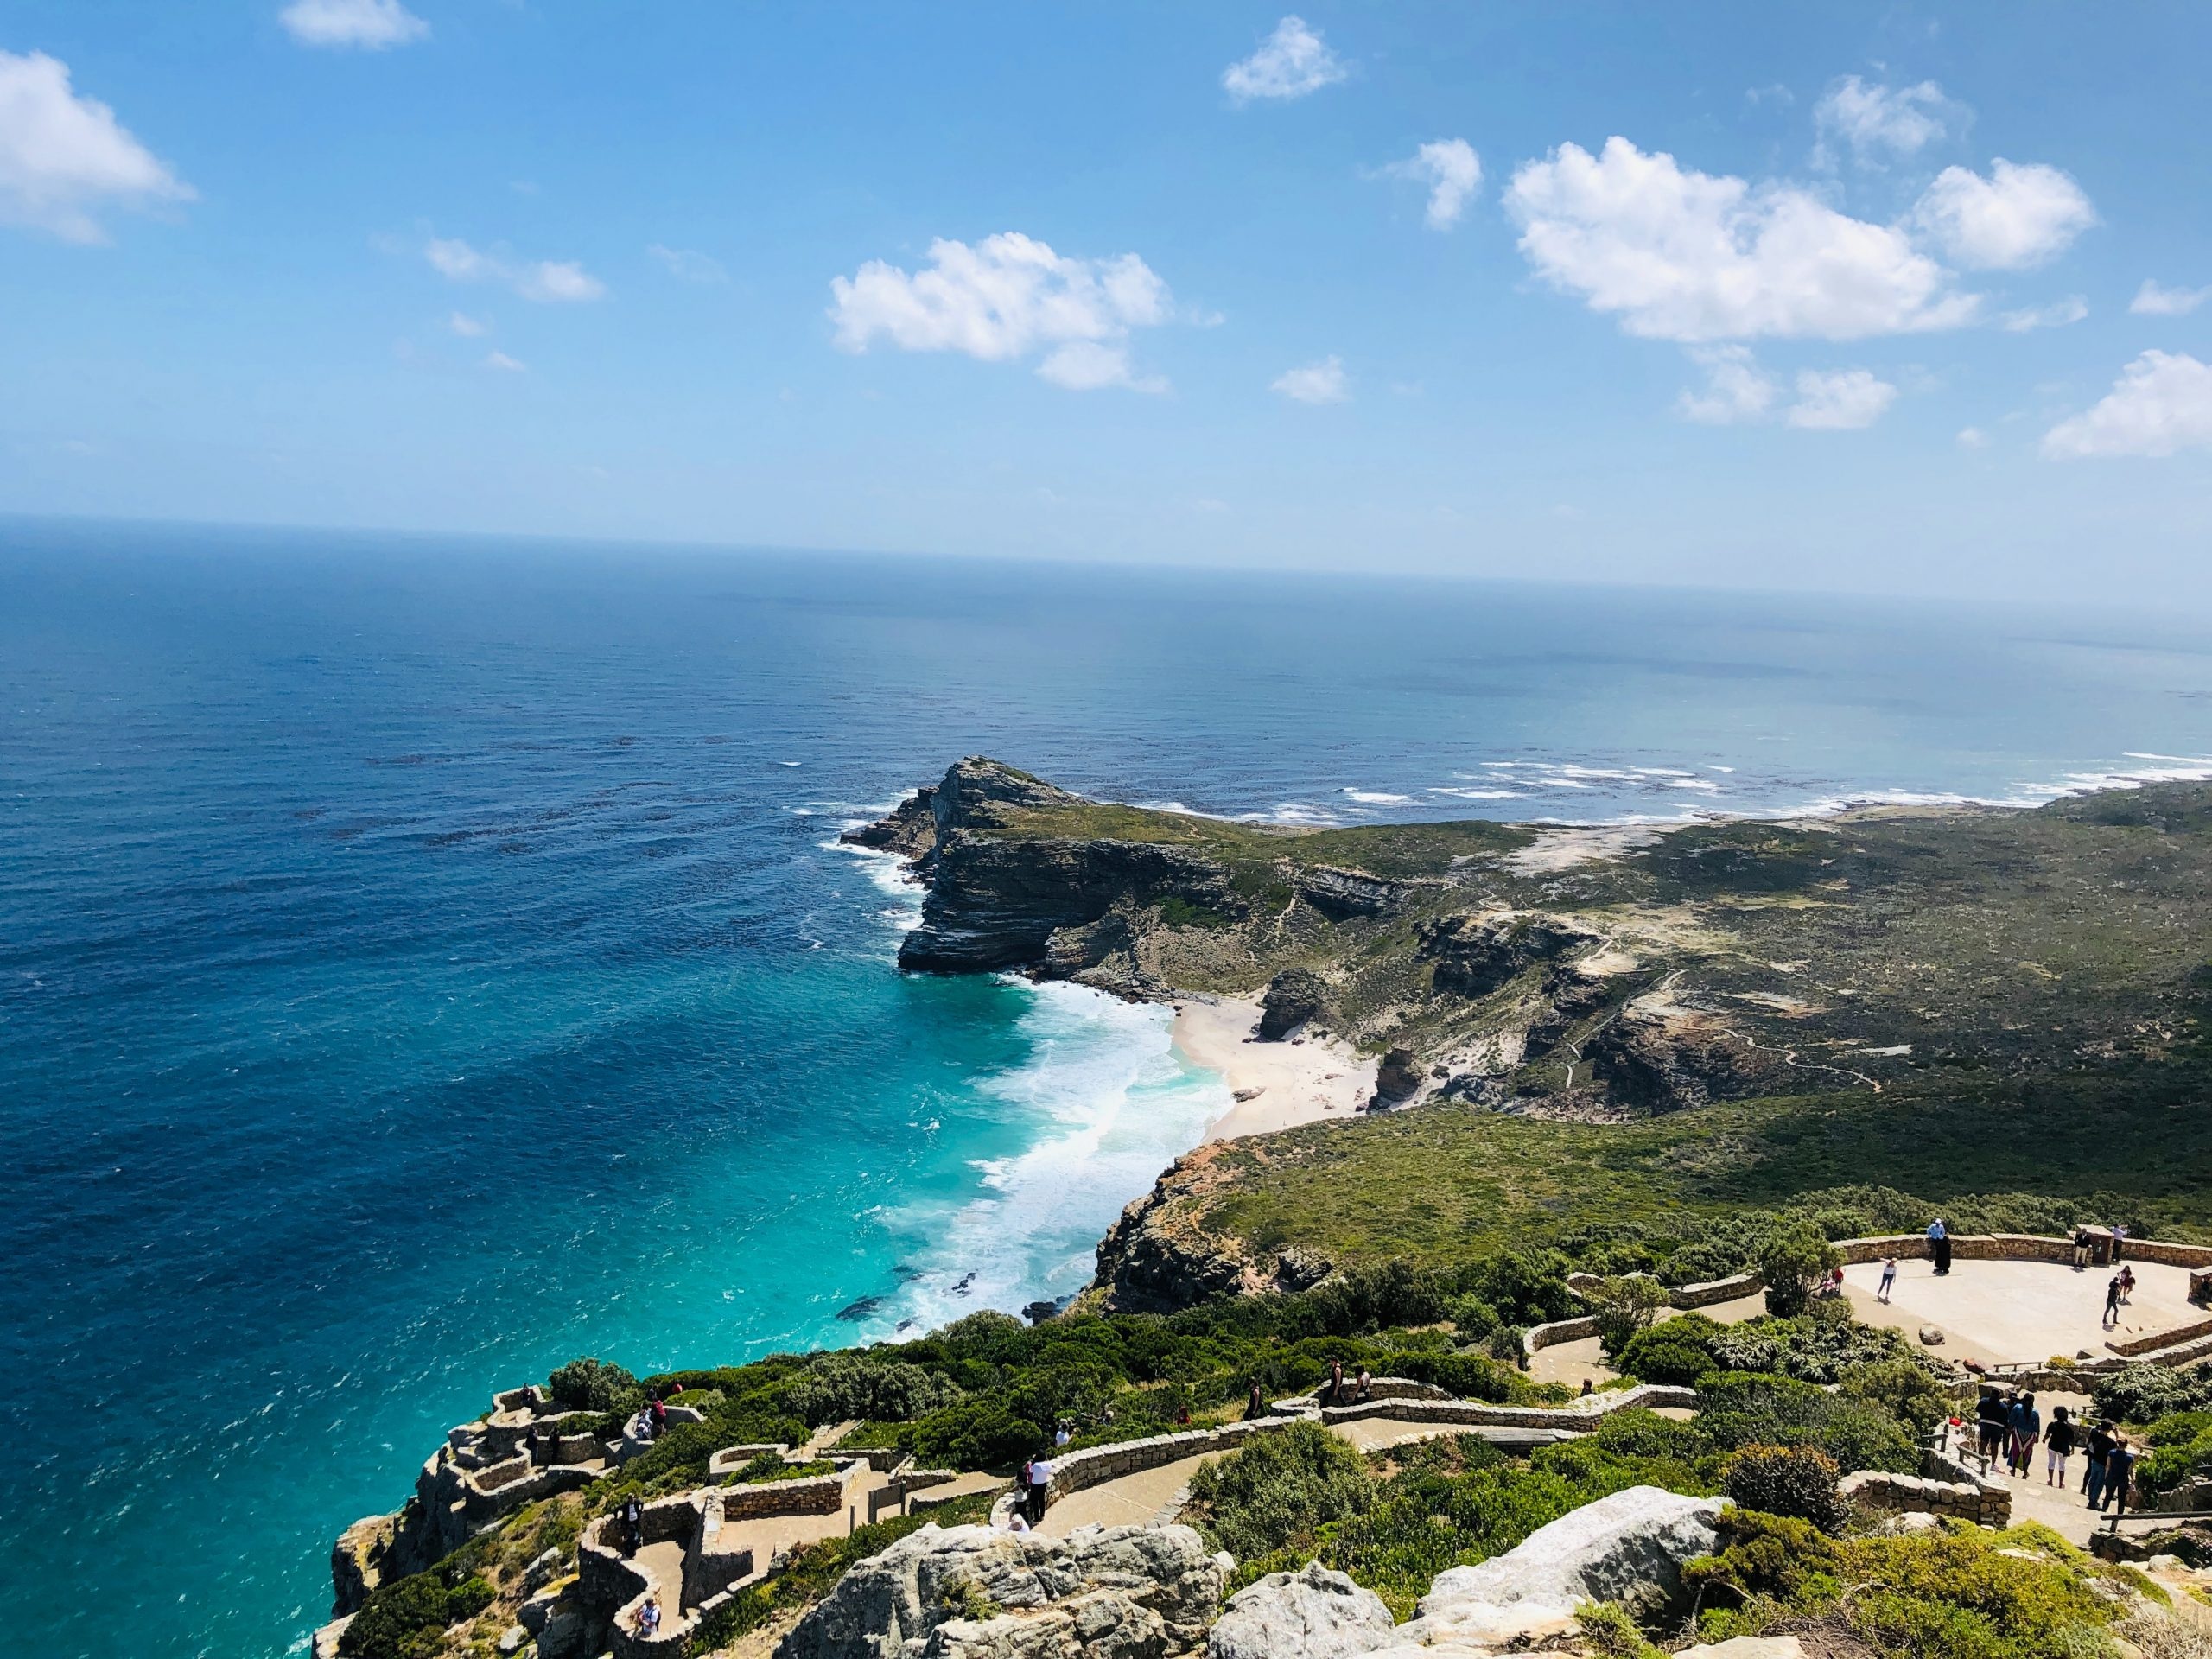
[1573, 1362]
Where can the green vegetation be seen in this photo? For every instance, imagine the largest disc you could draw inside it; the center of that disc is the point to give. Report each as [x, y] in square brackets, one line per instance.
[1278, 1490]
[407, 1619]
[1795, 1264]
[770, 1466]
[1798, 1481]
[1961, 1594]
[2146, 1394]
[2181, 1452]
[595, 1385]
[1824, 1346]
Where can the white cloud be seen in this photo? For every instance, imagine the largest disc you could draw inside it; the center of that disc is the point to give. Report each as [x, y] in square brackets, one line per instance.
[371, 25]
[1316, 383]
[2153, 300]
[2056, 314]
[1006, 297]
[547, 281]
[2161, 403]
[687, 266]
[1872, 117]
[1290, 63]
[464, 325]
[1972, 437]
[63, 157]
[1736, 390]
[1841, 400]
[1452, 172]
[501, 361]
[2020, 215]
[1693, 257]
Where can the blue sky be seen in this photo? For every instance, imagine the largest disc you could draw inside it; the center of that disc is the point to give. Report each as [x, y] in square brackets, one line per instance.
[1760, 295]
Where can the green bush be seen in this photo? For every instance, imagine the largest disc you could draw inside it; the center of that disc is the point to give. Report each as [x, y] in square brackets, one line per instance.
[1793, 1263]
[595, 1385]
[1815, 1347]
[1960, 1593]
[977, 1434]
[2144, 1394]
[1791, 1480]
[1905, 1388]
[1738, 1408]
[408, 1618]
[1277, 1489]
[838, 1386]
[1678, 1351]
[1624, 1308]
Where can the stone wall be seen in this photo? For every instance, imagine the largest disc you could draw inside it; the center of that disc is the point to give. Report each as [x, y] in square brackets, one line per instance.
[2021, 1247]
[611, 1587]
[811, 1495]
[1579, 1418]
[2180, 1336]
[1958, 1500]
[1715, 1290]
[1550, 1335]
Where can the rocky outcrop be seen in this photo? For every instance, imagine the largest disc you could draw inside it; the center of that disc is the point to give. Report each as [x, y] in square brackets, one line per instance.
[1155, 1259]
[970, 1592]
[1340, 894]
[1315, 1614]
[1397, 1080]
[996, 902]
[1293, 997]
[1627, 1548]
[1662, 1059]
[1474, 955]
[910, 832]
[1570, 998]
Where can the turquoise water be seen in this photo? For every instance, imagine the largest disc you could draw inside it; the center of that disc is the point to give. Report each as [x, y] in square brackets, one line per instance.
[421, 963]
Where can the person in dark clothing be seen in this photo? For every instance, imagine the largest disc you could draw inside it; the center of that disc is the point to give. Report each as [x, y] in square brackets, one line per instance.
[2099, 1459]
[2119, 1467]
[1040, 1480]
[1336, 1394]
[1255, 1408]
[2081, 1249]
[633, 1526]
[2025, 1423]
[2057, 1446]
[1939, 1245]
[1992, 1423]
[2112, 1302]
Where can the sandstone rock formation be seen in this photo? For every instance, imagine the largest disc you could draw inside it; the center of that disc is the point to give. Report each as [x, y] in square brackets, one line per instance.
[1475, 955]
[1397, 1079]
[1338, 893]
[970, 1593]
[1293, 997]
[1663, 1059]
[1314, 1614]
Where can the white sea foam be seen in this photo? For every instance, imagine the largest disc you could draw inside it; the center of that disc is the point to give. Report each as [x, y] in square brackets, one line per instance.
[1301, 814]
[1104, 1105]
[1171, 806]
[1378, 798]
[1480, 794]
[891, 874]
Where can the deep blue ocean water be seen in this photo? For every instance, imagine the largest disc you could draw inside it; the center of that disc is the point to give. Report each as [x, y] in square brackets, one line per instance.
[423, 962]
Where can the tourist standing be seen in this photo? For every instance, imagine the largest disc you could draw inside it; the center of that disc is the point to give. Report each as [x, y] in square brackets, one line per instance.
[1336, 1383]
[2119, 1239]
[634, 1525]
[2127, 1284]
[2119, 1466]
[2099, 1458]
[2082, 1249]
[1257, 1406]
[1889, 1278]
[2057, 1446]
[1990, 1425]
[649, 1618]
[1366, 1387]
[1939, 1246]
[2026, 1424]
[2112, 1302]
[1040, 1478]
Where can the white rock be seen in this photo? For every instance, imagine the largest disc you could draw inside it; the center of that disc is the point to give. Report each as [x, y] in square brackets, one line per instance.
[1628, 1548]
[1315, 1614]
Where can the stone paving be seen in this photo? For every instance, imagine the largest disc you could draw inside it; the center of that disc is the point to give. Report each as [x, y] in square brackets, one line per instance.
[2003, 1313]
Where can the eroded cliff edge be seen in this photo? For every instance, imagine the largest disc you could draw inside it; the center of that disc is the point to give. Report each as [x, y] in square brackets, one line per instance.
[1909, 983]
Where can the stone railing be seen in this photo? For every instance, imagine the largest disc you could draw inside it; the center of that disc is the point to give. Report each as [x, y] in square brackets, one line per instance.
[805, 1495]
[2180, 1336]
[1378, 1388]
[1537, 1338]
[1680, 1297]
[1983, 1504]
[2023, 1247]
[1576, 1418]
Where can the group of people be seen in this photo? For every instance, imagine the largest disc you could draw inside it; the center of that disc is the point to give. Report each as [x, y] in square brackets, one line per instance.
[2008, 1426]
[1336, 1392]
[651, 1421]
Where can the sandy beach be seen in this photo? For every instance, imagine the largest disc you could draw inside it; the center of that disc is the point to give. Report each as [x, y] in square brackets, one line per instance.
[1299, 1081]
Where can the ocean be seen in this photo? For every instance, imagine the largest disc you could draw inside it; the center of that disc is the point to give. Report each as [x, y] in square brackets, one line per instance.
[424, 961]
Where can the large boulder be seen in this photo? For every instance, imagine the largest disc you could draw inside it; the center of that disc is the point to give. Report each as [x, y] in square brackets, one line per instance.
[1294, 996]
[1315, 1614]
[970, 1592]
[1627, 1548]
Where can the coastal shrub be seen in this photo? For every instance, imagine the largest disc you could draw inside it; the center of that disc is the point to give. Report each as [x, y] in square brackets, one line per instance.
[1277, 1489]
[1793, 1263]
[770, 1467]
[1525, 1287]
[1393, 1293]
[1793, 1480]
[1179, 912]
[1624, 1308]
[1816, 1347]
[1905, 1387]
[1740, 1409]
[1678, 1351]
[2180, 1453]
[841, 1385]
[1959, 1593]
[2144, 1394]
[977, 1434]
[1508, 1343]
[408, 1618]
[595, 1385]
[1471, 1316]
